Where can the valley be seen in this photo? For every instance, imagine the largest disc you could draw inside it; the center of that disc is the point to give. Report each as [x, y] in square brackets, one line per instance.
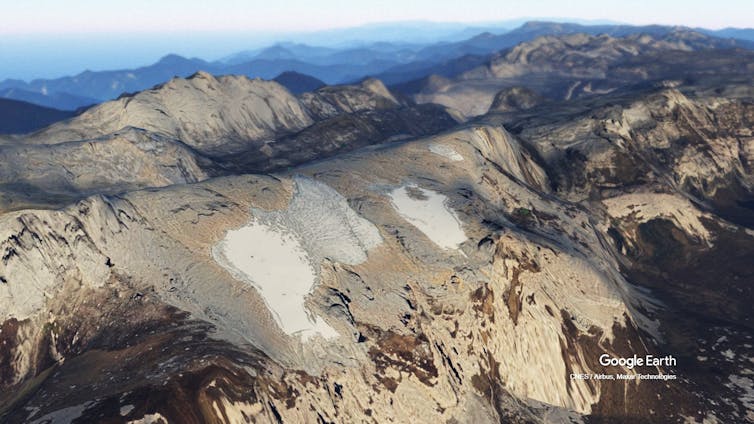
[224, 249]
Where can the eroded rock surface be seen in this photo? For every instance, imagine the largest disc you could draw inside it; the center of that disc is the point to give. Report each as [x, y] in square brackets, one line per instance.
[417, 270]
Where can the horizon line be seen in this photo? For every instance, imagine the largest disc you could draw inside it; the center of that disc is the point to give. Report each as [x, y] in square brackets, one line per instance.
[519, 22]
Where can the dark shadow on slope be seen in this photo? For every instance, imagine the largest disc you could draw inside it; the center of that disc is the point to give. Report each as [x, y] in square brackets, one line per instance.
[17, 117]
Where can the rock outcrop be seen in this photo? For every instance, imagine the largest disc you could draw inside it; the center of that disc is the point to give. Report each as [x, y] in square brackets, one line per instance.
[392, 264]
[204, 112]
[187, 130]
[581, 65]
[515, 99]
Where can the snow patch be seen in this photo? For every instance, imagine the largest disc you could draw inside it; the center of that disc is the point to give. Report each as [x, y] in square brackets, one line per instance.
[445, 151]
[327, 225]
[279, 267]
[428, 211]
[155, 418]
[279, 252]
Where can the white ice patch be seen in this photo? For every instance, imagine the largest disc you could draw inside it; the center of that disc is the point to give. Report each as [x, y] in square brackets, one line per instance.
[428, 211]
[445, 151]
[150, 419]
[279, 252]
[328, 227]
[278, 266]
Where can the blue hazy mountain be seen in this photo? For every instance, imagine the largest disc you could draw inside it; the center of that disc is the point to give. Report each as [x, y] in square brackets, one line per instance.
[57, 100]
[379, 51]
[298, 83]
[737, 33]
[398, 58]
[105, 85]
[18, 117]
[450, 59]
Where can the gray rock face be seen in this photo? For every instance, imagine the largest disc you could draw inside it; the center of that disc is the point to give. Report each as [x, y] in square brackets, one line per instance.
[327, 102]
[514, 99]
[203, 111]
[126, 160]
[189, 129]
[701, 145]
[461, 274]
[580, 65]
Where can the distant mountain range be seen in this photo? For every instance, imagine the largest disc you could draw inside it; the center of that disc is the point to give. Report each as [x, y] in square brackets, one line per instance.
[298, 83]
[18, 117]
[56, 100]
[218, 249]
[393, 62]
[569, 66]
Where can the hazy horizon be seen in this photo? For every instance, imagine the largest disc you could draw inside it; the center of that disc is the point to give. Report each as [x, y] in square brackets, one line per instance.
[49, 39]
[138, 16]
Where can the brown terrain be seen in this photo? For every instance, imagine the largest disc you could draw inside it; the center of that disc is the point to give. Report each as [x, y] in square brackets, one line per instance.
[574, 196]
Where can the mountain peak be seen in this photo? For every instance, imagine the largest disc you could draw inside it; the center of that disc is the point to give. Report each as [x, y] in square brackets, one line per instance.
[531, 25]
[276, 51]
[203, 111]
[202, 75]
[484, 36]
[377, 87]
[172, 59]
[297, 82]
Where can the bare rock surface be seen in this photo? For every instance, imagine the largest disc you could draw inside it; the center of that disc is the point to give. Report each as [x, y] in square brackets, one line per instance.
[188, 130]
[580, 65]
[203, 111]
[394, 265]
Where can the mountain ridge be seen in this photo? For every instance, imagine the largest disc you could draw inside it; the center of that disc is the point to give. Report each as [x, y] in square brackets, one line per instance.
[579, 64]
[23, 117]
[392, 63]
[214, 126]
[216, 248]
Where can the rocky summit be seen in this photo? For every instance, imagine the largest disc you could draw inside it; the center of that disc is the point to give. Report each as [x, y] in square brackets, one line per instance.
[486, 249]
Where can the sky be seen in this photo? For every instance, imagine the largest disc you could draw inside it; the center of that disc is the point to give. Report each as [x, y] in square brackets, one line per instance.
[45, 38]
[75, 16]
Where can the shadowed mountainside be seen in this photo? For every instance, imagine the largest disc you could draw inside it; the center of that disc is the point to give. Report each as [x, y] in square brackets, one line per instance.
[218, 249]
[20, 117]
[392, 62]
[579, 65]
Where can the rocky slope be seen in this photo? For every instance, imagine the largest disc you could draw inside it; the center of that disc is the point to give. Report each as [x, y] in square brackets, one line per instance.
[578, 65]
[657, 137]
[398, 312]
[671, 168]
[395, 266]
[203, 111]
[125, 160]
[589, 56]
[189, 129]
[515, 99]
